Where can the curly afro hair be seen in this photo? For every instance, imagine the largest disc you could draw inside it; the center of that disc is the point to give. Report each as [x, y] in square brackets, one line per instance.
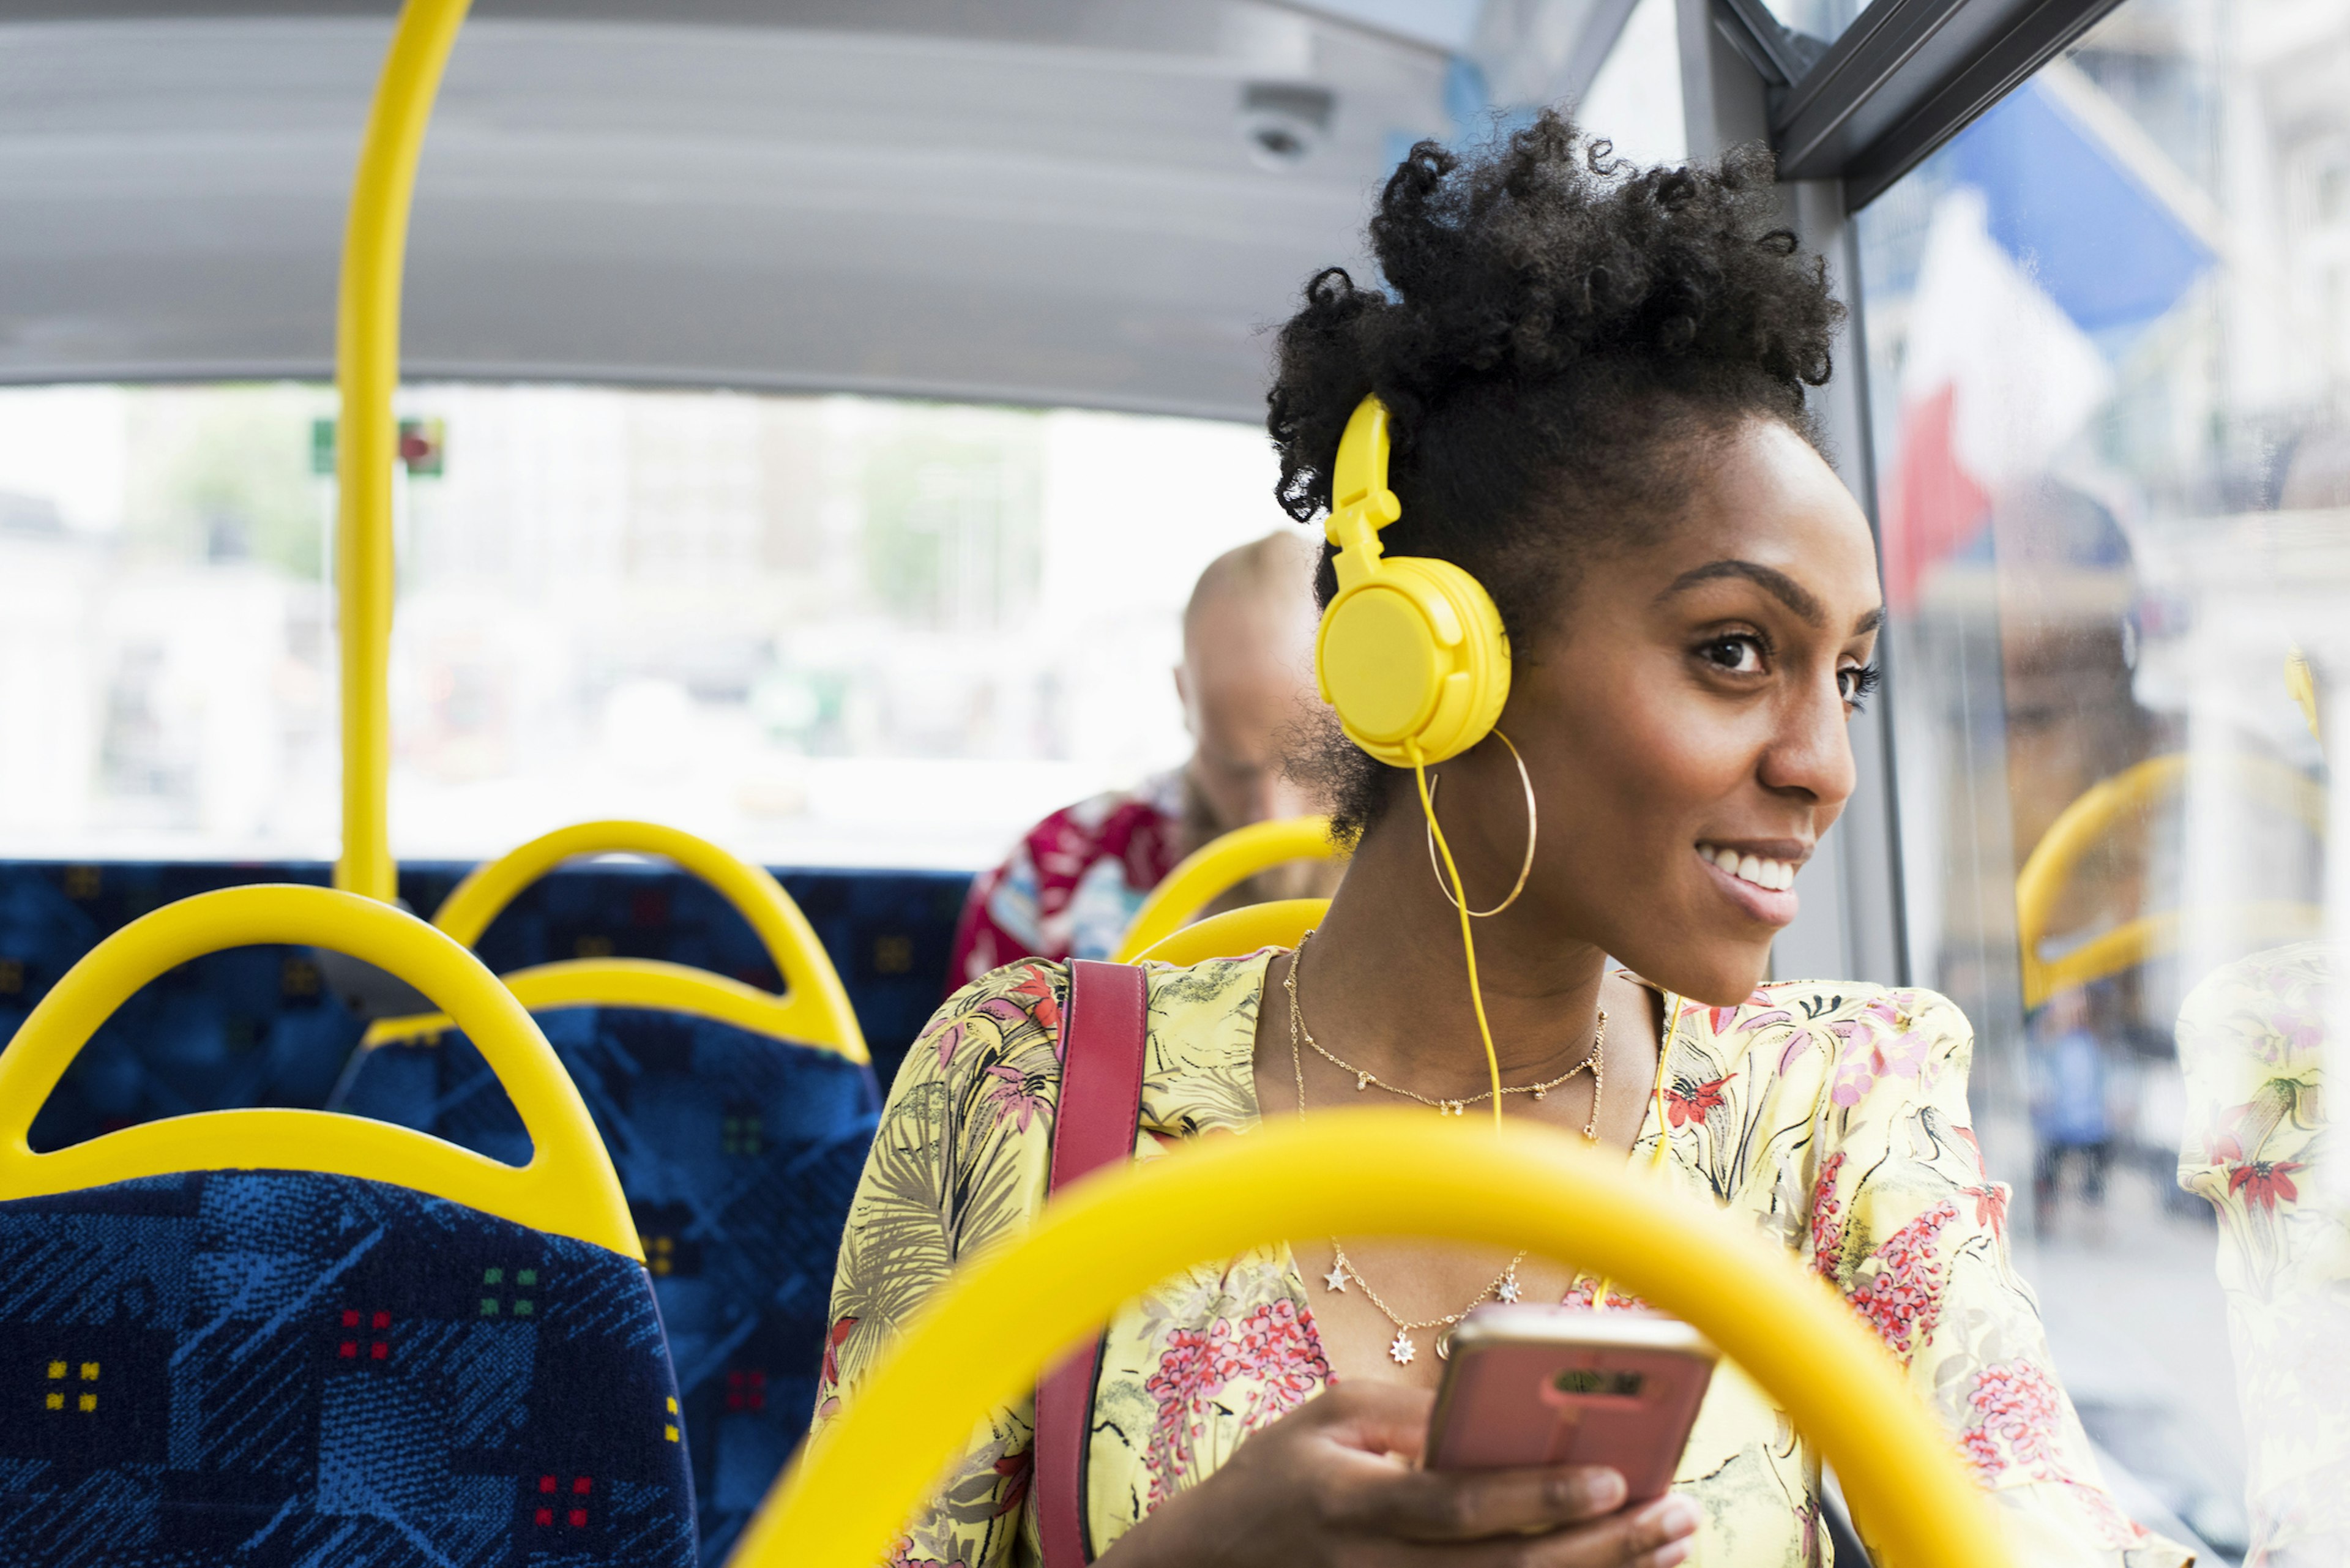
[1559, 335]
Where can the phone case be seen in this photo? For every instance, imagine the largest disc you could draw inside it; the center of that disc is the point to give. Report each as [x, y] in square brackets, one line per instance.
[1542, 1385]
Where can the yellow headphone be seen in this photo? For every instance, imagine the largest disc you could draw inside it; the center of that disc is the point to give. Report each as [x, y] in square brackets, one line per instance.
[1411, 654]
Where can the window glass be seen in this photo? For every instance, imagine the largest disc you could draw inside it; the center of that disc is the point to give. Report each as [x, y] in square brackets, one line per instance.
[2107, 338]
[1819, 19]
[1635, 101]
[817, 629]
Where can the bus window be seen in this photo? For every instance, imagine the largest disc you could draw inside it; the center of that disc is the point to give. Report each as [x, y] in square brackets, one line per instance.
[2107, 353]
[834, 630]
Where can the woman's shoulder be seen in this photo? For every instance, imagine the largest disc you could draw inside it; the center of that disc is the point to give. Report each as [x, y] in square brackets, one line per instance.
[1029, 989]
[1203, 996]
[1007, 1023]
[991, 1050]
[1201, 1075]
[1836, 1006]
[1843, 1041]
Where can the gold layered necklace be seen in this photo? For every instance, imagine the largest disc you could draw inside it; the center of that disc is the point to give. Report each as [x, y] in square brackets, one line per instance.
[1403, 1349]
[1594, 1062]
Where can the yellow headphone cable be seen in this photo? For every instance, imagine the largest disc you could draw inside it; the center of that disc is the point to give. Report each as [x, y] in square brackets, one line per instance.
[1468, 942]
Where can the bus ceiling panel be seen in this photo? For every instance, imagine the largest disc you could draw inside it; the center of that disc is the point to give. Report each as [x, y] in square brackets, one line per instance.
[931, 215]
[810, 301]
[1905, 76]
[1090, 333]
[942, 95]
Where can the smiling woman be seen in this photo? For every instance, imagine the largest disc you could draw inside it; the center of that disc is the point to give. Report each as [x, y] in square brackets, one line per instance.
[1596, 381]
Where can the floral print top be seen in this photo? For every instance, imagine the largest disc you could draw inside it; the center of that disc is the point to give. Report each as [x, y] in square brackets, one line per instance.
[2252, 1045]
[1832, 1116]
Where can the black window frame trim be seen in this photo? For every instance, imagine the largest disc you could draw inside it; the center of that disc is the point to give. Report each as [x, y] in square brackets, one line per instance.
[1904, 78]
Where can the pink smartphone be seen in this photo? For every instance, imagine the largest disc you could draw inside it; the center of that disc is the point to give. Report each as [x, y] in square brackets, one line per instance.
[1546, 1386]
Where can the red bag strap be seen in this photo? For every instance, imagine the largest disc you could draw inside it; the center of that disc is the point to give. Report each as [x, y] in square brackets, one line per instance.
[1102, 1046]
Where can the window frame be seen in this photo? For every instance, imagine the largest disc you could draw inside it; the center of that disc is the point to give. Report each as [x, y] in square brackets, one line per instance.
[1904, 78]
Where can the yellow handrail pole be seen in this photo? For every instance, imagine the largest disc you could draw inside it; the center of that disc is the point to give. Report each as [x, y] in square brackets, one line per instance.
[1218, 867]
[367, 373]
[1005, 1314]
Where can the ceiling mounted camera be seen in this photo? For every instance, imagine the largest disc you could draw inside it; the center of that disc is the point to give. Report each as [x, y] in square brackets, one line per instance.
[1283, 122]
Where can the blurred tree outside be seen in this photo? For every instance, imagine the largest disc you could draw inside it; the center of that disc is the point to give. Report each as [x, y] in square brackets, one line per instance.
[222, 474]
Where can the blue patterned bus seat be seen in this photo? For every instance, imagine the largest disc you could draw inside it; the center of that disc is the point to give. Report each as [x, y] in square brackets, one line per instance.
[251, 1026]
[249, 1369]
[738, 1154]
[257, 1026]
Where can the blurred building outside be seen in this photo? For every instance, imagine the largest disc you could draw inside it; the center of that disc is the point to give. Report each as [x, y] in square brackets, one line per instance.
[822, 631]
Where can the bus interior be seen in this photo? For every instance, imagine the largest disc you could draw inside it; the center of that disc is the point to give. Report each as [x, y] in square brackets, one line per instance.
[802, 421]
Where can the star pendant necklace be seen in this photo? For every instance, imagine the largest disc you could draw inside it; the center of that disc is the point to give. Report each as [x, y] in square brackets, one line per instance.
[1403, 1349]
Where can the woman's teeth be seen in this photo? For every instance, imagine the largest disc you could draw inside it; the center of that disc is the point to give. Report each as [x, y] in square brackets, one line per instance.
[1775, 874]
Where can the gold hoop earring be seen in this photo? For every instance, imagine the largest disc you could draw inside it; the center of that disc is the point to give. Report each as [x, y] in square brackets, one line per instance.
[1533, 824]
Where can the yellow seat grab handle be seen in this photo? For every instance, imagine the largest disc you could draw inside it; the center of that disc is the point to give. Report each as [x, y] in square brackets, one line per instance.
[649, 983]
[1218, 867]
[986, 1335]
[815, 1008]
[1236, 933]
[2081, 826]
[568, 1187]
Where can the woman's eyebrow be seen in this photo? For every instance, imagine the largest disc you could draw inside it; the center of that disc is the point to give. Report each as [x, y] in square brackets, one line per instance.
[1776, 583]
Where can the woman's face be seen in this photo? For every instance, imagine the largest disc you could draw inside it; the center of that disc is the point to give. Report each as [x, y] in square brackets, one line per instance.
[1684, 723]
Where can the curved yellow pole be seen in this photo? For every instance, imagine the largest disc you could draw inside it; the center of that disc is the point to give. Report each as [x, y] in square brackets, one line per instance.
[1217, 867]
[647, 983]
[568, 1187]
[816, 1009]
[1392, 1172]
[2260, 923]
[2101, 808]
[1277, 923]
[367, 371]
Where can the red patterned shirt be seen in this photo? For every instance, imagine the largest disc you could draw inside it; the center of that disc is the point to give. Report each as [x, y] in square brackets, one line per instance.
[1074, 882]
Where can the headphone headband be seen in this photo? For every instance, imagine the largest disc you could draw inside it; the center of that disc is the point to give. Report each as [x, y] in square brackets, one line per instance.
[1411, 653]
[1360, 502]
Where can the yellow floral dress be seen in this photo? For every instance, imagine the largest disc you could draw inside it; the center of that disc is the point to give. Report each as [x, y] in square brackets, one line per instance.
[1832, 1116]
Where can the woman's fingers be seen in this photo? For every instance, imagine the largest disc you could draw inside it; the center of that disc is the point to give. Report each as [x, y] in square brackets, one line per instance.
[1478, 1505]
[1659, 1534]
[1662, 1533]
[1655, 1535]
[1377, 1417]
[1328, 1484]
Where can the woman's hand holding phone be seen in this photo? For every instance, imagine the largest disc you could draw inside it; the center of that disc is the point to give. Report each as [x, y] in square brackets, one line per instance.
[1532, 1385]
[1337, 1481]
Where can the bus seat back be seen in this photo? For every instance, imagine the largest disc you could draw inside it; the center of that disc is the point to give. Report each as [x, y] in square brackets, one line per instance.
[342, 1367]
[738, 1154]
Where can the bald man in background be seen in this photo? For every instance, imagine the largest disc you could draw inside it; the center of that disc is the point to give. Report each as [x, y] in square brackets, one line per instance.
[1073, 884]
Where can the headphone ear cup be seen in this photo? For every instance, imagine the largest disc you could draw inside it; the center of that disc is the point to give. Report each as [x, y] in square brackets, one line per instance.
[1414, 656]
